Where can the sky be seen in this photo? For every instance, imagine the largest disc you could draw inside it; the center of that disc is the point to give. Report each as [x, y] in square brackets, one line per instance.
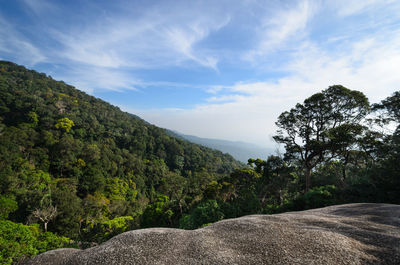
[219, 69]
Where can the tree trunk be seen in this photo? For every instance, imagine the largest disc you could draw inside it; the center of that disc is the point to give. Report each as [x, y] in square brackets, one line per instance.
[344, 173]
[180, 208]
[345, 162]
[45, 226]
[308, 178]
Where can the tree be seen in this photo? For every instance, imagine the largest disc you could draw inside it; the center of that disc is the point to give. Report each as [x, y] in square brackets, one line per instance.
[7, 206]
[69, 207]
[19, 242]
[386, 171]
[158, 213]
[391, 110]
[205, 213]
[45, 214]
[64, 124]
[323, 127]
[103, 230]
[274, 180]
[100, 163]
[16, 242]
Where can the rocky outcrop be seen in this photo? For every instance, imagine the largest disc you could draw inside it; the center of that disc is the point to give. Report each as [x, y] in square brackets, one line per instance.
[343, 234]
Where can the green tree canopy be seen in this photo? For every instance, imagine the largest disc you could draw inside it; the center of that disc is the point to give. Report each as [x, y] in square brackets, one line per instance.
[64, 124]
[322, 127]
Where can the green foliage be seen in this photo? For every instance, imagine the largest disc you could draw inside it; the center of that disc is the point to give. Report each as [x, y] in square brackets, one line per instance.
[205, 213]
[385, 171]
[212, 189]
[33, 118]
[101, 231]
[325, 126]
[69, 208]
[320, 196]
[117, 189]
[158, 213]
[18, 242]
[118, 225]
[107, 171]
[7, 206]
[96, 165]
[64, 124]
[390, 108]
[47, 241]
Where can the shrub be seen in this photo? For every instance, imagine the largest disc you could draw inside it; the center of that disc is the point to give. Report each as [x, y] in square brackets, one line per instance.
[205, 213]
[19, 242]
[320, 196]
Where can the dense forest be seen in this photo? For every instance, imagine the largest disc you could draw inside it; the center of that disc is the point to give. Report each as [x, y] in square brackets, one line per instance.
[74, 166]
[75, 171]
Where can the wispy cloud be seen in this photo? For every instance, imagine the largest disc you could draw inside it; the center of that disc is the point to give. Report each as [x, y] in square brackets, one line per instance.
[352, 7]
[153, 40]
[39, 7]
[182, 41]
[215, 89]
[251, 60]
[248, 110]
[277, 30]
[15, 45]
[91, 78]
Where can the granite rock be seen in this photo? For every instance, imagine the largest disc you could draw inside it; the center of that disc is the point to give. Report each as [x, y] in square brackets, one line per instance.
[342, 234]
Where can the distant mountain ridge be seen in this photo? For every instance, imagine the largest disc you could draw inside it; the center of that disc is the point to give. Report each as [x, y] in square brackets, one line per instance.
[241, 151]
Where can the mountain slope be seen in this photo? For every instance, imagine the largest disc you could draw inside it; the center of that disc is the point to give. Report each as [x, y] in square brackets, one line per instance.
[343, 234]
[61, 147]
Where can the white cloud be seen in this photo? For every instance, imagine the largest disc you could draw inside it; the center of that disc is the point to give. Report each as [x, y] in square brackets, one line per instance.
[13, 44]
[225, 98]
[309, 44]
[277, 29]
[369, 65]
[91, 78]
[352, 7]
[235, 117]
[154, 39]
[182, 39]
[107, 47]
[248, 110]
[215, 89]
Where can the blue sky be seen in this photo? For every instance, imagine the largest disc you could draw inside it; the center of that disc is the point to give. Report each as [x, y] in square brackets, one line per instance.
[216, 69]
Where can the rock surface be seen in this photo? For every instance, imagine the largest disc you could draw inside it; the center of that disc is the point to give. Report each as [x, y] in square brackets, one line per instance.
[343, 234]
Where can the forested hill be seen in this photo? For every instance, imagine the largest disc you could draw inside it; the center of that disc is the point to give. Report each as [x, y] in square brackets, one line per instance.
[60, 147]
[53, 108]
[73, 165]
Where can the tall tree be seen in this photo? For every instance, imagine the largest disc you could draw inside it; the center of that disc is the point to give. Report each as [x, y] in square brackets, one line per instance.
[387, 169]
[321, 128]
[390, 108]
